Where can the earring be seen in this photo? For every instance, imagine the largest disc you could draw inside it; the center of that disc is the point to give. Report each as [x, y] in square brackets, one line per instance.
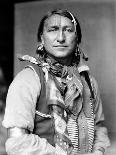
[77, 51]
[40, 47]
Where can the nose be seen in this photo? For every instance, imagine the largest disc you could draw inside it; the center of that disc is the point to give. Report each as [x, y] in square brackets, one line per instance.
[61, 37]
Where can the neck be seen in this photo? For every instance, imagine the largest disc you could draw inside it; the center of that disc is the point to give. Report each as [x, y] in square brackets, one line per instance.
[64, 61]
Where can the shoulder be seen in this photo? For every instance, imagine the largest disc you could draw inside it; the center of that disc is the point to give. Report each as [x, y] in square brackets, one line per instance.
[95, 86]
[27, 74]
[26, 77]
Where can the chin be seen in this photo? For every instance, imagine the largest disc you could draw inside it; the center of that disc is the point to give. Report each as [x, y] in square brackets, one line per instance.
[62, 54]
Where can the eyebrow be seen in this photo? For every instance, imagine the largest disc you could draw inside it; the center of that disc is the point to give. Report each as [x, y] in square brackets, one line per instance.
[57, 26]
[52, 26]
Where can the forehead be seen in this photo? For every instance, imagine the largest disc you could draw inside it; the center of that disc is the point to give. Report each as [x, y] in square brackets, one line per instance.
[58, 20]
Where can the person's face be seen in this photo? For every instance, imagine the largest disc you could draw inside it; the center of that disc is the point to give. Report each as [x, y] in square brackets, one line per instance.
[59, 37]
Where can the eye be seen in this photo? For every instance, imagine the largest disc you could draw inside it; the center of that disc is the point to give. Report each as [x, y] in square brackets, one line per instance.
[69, 29]
[52, 29]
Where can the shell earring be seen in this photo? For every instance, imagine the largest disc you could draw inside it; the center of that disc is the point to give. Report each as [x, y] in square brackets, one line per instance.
[40, 47]
[77, 51]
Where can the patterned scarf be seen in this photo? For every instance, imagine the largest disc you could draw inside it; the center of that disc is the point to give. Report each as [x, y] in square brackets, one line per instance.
[66, 93]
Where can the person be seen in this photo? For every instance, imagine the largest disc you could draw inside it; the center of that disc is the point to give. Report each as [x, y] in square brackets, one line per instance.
[53, 105]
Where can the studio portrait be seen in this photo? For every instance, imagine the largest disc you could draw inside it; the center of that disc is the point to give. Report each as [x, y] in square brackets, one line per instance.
[60, 95]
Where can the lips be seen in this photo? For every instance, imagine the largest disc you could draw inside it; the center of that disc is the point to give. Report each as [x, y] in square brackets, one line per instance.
[60, 46]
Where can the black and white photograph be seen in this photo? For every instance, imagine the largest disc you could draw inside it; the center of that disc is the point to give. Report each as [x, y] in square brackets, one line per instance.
[58, 77]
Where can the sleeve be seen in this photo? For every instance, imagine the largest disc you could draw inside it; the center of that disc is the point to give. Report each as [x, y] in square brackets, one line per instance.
[101, 141]
[20, 113]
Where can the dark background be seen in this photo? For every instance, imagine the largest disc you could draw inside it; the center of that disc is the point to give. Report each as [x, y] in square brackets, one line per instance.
[7, 37]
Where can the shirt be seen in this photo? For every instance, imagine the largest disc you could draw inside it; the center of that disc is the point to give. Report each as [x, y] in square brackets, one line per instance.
[20, 112]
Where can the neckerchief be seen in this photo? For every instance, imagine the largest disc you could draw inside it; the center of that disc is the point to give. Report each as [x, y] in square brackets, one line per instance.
[64, 88]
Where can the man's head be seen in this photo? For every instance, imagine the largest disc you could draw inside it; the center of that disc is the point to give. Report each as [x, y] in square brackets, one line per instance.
[60, 33]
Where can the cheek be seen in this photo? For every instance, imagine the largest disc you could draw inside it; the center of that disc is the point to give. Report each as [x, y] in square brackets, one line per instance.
[47, 39]
[48, 42]
[71, 38]
[72, 41]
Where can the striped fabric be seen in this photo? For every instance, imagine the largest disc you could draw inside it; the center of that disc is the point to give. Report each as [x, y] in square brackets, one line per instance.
[73, 132]
[72, 128]
[90, 122]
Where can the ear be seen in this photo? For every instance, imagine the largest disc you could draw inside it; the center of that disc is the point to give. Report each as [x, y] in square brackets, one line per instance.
[42, 39]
